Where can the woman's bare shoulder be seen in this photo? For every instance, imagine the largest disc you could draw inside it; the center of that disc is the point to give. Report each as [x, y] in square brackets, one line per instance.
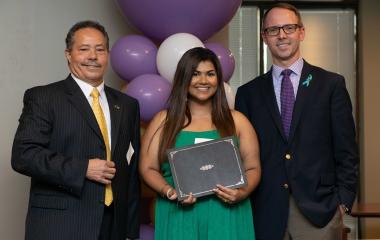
[240, 120]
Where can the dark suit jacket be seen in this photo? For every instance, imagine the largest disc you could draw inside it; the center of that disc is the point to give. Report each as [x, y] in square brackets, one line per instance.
[318, 164]
[56, 137]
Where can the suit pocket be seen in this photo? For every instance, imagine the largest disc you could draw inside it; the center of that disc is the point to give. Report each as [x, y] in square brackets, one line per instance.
[48, 202]
[326, 185]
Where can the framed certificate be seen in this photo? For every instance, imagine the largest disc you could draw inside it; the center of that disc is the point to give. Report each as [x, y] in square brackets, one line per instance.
[198, 168]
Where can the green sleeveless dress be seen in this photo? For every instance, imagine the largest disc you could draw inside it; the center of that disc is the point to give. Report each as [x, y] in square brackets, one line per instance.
[209, 218]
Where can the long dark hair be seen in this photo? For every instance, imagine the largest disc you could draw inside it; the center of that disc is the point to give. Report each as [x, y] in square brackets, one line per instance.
[178, 112]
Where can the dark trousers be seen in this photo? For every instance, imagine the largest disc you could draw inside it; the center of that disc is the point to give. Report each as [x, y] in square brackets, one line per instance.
[108, 229]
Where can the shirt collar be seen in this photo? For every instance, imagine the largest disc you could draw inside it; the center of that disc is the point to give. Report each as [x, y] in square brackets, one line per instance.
[87, 88]
[296, 67]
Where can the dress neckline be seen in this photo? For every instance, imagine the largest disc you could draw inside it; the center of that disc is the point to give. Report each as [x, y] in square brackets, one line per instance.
[188, 131]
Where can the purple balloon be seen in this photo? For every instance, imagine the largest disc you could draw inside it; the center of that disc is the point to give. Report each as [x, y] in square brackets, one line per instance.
[146, 232]
[159, 19]
[152, 92]
[133, 56]
[226, 58]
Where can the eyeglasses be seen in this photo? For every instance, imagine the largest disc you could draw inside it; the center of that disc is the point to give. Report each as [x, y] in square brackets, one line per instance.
[287, 28]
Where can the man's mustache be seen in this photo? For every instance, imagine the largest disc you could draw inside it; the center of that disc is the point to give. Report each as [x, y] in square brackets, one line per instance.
[92, 64]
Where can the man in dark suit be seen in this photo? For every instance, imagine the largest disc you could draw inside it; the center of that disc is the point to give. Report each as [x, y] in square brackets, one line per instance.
[303, 118]
[78, 140]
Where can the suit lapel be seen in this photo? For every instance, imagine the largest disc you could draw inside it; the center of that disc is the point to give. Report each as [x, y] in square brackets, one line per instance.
[306, 85]
[115, 113]
[270, 99]
[79, 101]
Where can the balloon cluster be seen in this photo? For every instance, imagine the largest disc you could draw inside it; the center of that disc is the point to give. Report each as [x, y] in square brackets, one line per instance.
[177, 26]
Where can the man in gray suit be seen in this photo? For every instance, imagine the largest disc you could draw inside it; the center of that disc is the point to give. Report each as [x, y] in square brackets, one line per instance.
[78, 140]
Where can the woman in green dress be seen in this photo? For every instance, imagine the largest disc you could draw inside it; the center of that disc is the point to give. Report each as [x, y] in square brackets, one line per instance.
[198, 111]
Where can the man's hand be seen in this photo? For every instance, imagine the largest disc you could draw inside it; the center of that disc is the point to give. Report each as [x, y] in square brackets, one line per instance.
[101, 171]
[343, 209]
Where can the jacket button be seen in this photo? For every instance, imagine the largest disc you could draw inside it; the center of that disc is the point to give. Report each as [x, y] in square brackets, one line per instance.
[288, 156]
[286, 186]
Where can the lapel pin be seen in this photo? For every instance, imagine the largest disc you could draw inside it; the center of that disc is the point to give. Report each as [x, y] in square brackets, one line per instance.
[117, 107]
[307, 81]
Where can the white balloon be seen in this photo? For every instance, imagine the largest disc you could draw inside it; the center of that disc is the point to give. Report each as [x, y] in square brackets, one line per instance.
[230, 94]
[171, 51]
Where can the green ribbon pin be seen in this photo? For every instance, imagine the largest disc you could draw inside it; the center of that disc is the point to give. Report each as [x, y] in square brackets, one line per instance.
[307, 81]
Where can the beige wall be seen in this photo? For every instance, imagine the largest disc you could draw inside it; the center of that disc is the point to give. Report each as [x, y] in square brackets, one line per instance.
[369, 78]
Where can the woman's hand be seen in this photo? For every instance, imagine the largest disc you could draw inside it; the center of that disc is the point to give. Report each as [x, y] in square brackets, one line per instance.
[229, 195]
[171, 194]
[189, 200]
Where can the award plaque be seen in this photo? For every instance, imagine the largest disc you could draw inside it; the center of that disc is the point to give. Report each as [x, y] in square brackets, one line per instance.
[199, 167]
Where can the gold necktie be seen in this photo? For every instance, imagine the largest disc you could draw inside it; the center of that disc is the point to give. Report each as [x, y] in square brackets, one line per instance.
[97, 109]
